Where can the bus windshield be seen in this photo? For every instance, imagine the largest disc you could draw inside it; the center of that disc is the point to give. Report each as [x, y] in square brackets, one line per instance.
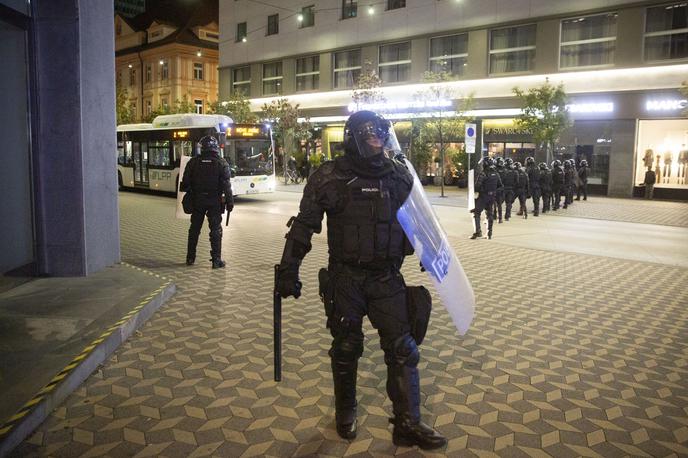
[251, 157]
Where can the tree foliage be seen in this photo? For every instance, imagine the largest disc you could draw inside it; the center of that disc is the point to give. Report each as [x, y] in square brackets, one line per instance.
[367, 90]
[286, 126]
[125, 112]
[544, 114]
[237, 107]
[179, 106]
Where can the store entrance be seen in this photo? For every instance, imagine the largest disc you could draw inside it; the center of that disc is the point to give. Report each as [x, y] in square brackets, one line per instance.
[518, 151]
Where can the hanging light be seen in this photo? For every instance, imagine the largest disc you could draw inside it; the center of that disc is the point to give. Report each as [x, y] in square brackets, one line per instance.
[243, 39]
[199, 53]
[371, 10]
[162, 62]
[299, 17]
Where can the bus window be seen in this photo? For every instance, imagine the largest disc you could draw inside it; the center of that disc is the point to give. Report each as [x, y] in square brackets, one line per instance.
[159, 153]
[181, 148]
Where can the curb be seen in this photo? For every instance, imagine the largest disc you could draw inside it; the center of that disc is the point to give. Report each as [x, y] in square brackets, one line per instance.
[35, 411]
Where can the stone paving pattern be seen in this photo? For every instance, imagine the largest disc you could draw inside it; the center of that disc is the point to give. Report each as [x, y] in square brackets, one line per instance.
[569, 355]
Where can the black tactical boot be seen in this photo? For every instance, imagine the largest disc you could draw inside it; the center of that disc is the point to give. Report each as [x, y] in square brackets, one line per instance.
[407, 434]
[476, 235]
[489, 234]
[218, 263]
[190, 260]
[344, 378]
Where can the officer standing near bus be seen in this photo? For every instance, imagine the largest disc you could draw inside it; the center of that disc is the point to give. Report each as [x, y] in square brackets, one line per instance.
[207, 178]
[361, 192]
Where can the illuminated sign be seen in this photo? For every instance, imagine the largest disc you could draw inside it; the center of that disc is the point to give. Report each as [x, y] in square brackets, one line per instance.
[181, 134]
[392, 106]
[666, 104]
[603, 107]
[246, 131]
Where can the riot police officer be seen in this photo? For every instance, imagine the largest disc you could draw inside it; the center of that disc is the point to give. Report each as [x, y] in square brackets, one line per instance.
[557, 183]
[545, 186]
[207, 177]
[510, 183]
[361, 192]
[522, 189]
[568, 183]
[500, 191]
[487, 184]
[582, 180]
[534, 180]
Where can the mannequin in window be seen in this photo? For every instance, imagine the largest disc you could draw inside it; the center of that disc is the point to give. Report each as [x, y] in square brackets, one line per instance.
[682, 163]
[667, 166]
[658, 168]
[647, 160]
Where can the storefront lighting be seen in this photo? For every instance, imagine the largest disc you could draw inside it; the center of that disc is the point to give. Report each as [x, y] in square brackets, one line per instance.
[392, 106]
[371, 10]
[666, 104]
[299, 18]
[604, 107]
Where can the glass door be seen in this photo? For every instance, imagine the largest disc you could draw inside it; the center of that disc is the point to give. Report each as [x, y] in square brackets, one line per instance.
[141, 164]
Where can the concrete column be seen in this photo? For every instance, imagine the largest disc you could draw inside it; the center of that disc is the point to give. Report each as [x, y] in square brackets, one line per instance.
[288, 76]
[621, 158]
[325, 71]
[419, 58]
[225, 83]
[256, 80]
[74, 137]
[629, 41]
[547, 47]
[478, 49]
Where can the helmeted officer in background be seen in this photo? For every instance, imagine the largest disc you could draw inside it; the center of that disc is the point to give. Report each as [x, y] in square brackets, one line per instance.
[557, 183]
[361, 192]
[583, 180]
[522, 189]
[487, 184]
[499, 162]
[534, 180]
[207, 177]
[568, 183]
[545, 186]
[510, 183]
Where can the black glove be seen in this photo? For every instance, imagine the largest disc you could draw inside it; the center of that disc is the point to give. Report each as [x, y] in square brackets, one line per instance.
[288, 282]
[229, 206]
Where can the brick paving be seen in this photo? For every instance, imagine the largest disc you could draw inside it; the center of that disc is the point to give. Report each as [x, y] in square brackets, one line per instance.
[569, 355]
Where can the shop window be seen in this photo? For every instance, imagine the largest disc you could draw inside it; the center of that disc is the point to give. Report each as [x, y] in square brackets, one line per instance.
[588, 41]
[512, 49]
[592, 141]
[395, 62]
[272, 78]
[449, 54]
[241, 80]
[663, 147]
[395, 4]
[241, 32]
[347, 68]
[307, 16]
[307, 73]
[273, 24]
[349, 9]
[666, 32]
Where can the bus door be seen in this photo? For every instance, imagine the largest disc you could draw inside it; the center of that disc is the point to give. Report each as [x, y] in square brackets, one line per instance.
[141, 164]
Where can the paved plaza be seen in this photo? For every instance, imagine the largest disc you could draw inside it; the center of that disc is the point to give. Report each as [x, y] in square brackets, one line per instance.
[579, 346]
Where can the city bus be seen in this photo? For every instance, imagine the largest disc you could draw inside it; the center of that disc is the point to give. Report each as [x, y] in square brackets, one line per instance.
[149, 155]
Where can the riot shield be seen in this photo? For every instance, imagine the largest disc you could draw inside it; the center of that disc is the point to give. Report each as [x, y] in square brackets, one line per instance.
[432, 248]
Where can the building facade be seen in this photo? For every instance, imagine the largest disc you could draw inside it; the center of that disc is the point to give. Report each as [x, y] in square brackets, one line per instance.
[621, 63]
[163, 57]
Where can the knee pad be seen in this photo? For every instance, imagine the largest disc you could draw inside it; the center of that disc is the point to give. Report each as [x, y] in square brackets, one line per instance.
[347, 349]
[404, 352]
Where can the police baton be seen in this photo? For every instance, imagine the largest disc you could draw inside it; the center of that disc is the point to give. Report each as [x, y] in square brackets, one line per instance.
[227, 219]
[277, 326]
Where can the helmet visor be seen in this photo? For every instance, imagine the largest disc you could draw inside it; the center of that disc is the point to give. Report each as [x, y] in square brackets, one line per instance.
[375, 137]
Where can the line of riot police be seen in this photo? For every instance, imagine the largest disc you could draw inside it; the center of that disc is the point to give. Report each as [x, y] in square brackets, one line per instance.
[501, 181]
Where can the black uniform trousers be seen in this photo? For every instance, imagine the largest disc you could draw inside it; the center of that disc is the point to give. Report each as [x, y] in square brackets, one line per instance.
[521, 194]
[509, 197]
[498, 204]
[484, 202]
[214, 213]
[535, 193]
[556, 196]
[583, 188]
[546, 199]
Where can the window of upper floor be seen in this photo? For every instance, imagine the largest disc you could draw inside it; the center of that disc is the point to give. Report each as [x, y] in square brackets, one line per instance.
[198, 103]
[149, 73]
[307, 17]
[395, 4]
[132, 77]
[241, 32]
[210, 35]
[588, 41]
[241, 80]
[349, 9]
[164, 69]
[198, 71]
[449, 54]
[395, 62]
[273, 24]
[512, 49]
[346, 68]
[666, 32]
[272, 78]
[307, 73]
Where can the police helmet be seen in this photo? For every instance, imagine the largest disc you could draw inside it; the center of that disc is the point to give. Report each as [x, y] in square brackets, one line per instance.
[517, 165]
[508, 162]
[489, 162]
[543, 166]
[530, 161]
[209, 143]
[567, 164]
[583, 163]
[556, 163]
[368, 134]
[500, 161]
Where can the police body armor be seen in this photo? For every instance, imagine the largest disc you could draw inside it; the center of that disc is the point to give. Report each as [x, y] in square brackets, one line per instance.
[206, 186]
[362, 229]
[510, 179]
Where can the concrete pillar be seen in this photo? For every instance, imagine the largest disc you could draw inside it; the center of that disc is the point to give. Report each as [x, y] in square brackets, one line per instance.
[478, 45]
[621, 158]
[77, 216]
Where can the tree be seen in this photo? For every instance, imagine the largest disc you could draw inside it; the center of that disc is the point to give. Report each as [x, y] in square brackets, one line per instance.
[125, 112]
[286, 127]
[367, 90]
[237, 107]
[544, 114]
[179, 106]
[446, 121]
